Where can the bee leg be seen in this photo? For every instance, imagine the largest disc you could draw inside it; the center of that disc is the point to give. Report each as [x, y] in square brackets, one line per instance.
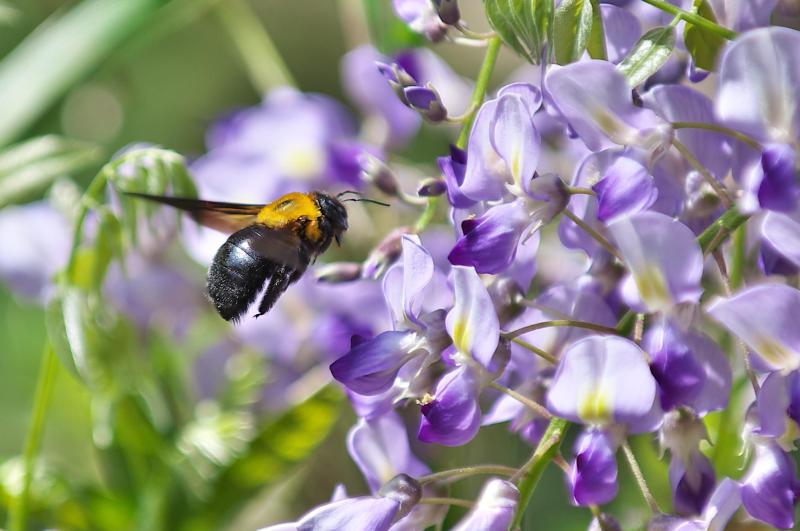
[280, 280]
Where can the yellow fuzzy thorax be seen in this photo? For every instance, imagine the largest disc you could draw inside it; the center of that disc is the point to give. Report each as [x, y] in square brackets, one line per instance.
[288, 209]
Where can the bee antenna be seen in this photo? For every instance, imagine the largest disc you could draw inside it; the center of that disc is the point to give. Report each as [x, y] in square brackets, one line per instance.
[340, 194]
[365, 200]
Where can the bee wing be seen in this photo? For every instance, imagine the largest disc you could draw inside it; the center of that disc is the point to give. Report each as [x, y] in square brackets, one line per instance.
[283, 247]
[224, 217]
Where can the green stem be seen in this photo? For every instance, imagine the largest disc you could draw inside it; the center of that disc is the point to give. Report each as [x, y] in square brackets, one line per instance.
[467, 471]
[18, 511]
[726, 223]
[639, 477]
[536, 350]
[720, 190]
[719, 129]
[737, 259]
[693, 18]
[261, 58]
[605, 244]
[446, 501]
[522, 399]
[90, 199]
[559, 322]
[481, 86]
[478, 93]
[576, 190]
[529, 475]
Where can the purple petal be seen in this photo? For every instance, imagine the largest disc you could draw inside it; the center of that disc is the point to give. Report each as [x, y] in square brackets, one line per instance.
[664, 259]
[38, 238]
[514, 137]
[593, 476]
[764, 317]
[742, 15]
[772, 403]
[485, 174]
[452, 417]
[783, 235]
[595, 99]
[758, 79]
[778, 189]
[724, 502]
[626, 188]
[489, 243]
[367, 512]
[371, 367]
[622, 30]
[453, 168]
[601, 380]
[379, 447]
[417, 274]
[770, 488]
[689, 367]
[692, 483]
[531, 95]
[473, 323]
[683, 104]
[494, 508]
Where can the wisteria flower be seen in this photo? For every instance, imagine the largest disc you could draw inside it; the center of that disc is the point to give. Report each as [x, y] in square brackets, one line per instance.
[593, 97]
[762, 317]
[603, 382]
[665, 261]
[494, 508]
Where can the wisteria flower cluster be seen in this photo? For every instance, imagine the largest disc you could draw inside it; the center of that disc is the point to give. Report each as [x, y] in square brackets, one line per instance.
[605, 261]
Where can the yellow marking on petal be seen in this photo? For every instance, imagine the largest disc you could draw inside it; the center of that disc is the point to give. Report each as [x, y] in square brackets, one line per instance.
[461, 335]
[776, 353]
[302, 162]
[653, 288]
[595, 407]
[516, 163]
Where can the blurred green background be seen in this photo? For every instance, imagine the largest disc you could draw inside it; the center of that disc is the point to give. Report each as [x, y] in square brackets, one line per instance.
[128, 71]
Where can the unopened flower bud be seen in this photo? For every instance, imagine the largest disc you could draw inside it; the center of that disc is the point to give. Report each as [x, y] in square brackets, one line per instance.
[431, 186]
[385, 254]
[403, 489]
[338, 272]
[448, 11]
[398, 79]
[427, 102]
[375, 171]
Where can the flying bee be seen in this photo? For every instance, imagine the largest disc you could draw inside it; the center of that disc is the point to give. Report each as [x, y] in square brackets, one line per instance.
[276, 241]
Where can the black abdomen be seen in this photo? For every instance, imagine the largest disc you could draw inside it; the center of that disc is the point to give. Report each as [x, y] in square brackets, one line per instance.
[238, 273]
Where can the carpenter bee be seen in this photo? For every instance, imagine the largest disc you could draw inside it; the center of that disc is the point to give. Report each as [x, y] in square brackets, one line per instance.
[276, 241]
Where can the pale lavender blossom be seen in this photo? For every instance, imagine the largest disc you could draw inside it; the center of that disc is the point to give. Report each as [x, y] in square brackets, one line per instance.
[763, 317]
[664, 259]
[494, 508]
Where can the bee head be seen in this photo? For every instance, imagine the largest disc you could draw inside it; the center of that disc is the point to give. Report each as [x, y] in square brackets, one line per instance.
[334, 214]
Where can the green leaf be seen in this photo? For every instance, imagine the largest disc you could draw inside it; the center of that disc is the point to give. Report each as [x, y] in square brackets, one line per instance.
[278, 446]
[524, 25]
[703, 45]
[648, 55]
[29, 167]
[64, 50]
[388, 33]
[148, 170]
[92, 341]
[572, 27]
[92, 262]
[597, 38]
